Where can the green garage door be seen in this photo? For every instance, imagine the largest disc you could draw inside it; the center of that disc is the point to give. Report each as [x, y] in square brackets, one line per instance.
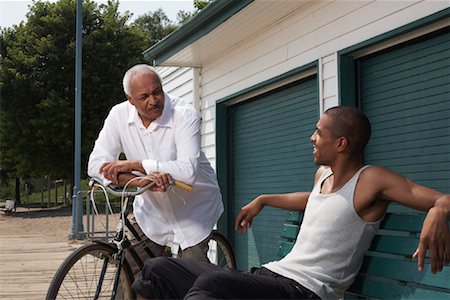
[406, 95]
[271, 154]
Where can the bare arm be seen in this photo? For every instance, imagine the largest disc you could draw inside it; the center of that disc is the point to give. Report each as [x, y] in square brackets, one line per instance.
[290, 201]
[435, 235]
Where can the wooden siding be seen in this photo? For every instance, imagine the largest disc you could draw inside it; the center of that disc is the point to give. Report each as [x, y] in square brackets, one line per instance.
[311, 32]
[178, 82]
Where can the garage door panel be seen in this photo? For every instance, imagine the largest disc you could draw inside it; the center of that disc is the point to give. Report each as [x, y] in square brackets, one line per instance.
[413, 84]
[281, 114]
[428, 146]
[419, 98]
[275, 104]
[398, 71]
[433, 48]
[271, 154]
[406, 94]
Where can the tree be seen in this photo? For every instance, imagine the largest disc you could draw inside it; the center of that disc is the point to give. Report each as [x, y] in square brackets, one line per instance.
[37, 82]
[156, 25]
[184, 16]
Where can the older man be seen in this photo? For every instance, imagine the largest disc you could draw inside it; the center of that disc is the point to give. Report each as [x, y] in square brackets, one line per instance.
[160, 137]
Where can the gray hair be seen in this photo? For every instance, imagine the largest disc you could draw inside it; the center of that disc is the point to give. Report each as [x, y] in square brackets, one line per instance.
[135, 70]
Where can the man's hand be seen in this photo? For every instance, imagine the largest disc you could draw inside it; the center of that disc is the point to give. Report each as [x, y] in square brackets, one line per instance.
[435, 237]
[161, 180]
[245, 217]
[111, 170]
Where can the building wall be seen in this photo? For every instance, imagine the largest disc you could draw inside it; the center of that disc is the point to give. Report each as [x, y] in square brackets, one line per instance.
[178, 81]
[313, 33]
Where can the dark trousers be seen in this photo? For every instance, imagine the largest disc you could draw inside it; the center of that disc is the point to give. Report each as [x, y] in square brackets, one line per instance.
[168, 278]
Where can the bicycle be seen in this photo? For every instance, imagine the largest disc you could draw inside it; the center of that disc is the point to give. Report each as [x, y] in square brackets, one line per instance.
[99, 270]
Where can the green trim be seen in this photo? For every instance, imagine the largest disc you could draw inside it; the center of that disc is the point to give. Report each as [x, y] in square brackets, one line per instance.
[222, 138]
[347, 81]
[268, 82]
[347, 84]
[223, 144]
[212, 16]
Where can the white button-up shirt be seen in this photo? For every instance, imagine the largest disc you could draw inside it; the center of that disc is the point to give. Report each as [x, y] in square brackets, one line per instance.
[171, 144]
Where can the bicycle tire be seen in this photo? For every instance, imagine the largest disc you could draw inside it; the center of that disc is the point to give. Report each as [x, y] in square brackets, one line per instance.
[223, 254]
[78, 276]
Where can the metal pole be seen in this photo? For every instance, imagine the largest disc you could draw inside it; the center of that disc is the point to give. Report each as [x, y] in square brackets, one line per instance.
[77, 207]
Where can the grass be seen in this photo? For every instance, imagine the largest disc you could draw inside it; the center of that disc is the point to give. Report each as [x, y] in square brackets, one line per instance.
[47, 198]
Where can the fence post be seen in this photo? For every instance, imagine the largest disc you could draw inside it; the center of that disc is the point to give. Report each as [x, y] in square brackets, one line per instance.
[48, 190]
[42, 191]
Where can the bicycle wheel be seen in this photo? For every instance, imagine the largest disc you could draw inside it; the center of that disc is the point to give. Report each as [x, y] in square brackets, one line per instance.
[222, 252]
[88, 271]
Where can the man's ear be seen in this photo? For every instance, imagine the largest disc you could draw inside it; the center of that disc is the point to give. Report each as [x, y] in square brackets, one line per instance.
[342, 143]
[130, 100]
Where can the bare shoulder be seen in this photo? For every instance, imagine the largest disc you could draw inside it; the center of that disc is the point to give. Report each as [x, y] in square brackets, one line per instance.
[379, 174]
[319, 172]
[384, 182]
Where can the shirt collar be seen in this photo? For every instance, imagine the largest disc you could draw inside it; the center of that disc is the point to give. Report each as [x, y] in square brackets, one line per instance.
[165, 120]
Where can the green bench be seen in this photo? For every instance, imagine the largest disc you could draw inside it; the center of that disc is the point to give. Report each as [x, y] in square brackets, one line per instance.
[388, 272]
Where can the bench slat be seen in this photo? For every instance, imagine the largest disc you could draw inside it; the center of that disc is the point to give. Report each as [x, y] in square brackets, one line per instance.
[406, 271]
[403, 222]
[384, 289]
[395, 245]
[295, 217]
[284, 247]
[290, 231]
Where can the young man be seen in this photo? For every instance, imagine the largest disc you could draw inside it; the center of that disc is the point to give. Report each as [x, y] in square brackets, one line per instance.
[342, 215]
[160, 137]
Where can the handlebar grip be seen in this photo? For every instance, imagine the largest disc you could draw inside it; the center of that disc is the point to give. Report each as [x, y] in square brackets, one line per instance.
[183, 185]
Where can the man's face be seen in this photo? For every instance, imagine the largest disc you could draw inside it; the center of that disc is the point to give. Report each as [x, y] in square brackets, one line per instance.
[147, 96]
[324, 144]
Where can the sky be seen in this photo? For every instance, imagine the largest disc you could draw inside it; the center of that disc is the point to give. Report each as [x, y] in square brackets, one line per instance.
[12, 12]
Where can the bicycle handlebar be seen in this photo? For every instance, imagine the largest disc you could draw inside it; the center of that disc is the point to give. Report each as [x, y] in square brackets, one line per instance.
[120, 192]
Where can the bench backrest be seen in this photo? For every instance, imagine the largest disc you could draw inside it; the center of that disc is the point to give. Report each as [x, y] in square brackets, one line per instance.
[388, 270]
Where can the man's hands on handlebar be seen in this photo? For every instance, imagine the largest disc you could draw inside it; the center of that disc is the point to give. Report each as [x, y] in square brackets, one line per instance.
[119, 172]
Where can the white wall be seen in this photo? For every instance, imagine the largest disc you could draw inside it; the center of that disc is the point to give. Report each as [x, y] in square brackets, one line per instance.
[184, 83]
[313, 33]
[178, 82]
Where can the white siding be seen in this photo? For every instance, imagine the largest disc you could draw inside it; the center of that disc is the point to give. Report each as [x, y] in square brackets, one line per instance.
[311, 33]
[328, 82]
[181, 82]
[178, 82]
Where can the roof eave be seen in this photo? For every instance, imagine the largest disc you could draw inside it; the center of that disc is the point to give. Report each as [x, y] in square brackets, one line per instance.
[216, 13]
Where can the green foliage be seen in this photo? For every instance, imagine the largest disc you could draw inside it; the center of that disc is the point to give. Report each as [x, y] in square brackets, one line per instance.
[184, 16]
[37, 82]
[156, 25]
[201, 4]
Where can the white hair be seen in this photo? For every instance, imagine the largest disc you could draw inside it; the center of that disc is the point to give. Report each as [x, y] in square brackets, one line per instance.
[135, 70]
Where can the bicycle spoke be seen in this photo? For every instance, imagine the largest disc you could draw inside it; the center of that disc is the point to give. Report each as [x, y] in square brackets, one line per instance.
[91, 277]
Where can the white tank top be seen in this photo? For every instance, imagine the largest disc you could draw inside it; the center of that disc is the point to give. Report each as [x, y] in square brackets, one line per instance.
[331, 244]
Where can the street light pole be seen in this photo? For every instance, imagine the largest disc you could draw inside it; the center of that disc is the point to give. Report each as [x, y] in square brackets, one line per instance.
[77, 205]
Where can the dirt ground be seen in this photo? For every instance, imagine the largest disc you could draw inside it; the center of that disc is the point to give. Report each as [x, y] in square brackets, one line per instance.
[52, 224]
[33, 243]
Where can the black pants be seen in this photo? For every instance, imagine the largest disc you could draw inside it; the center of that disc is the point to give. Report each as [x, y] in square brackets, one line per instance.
[168, 278]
